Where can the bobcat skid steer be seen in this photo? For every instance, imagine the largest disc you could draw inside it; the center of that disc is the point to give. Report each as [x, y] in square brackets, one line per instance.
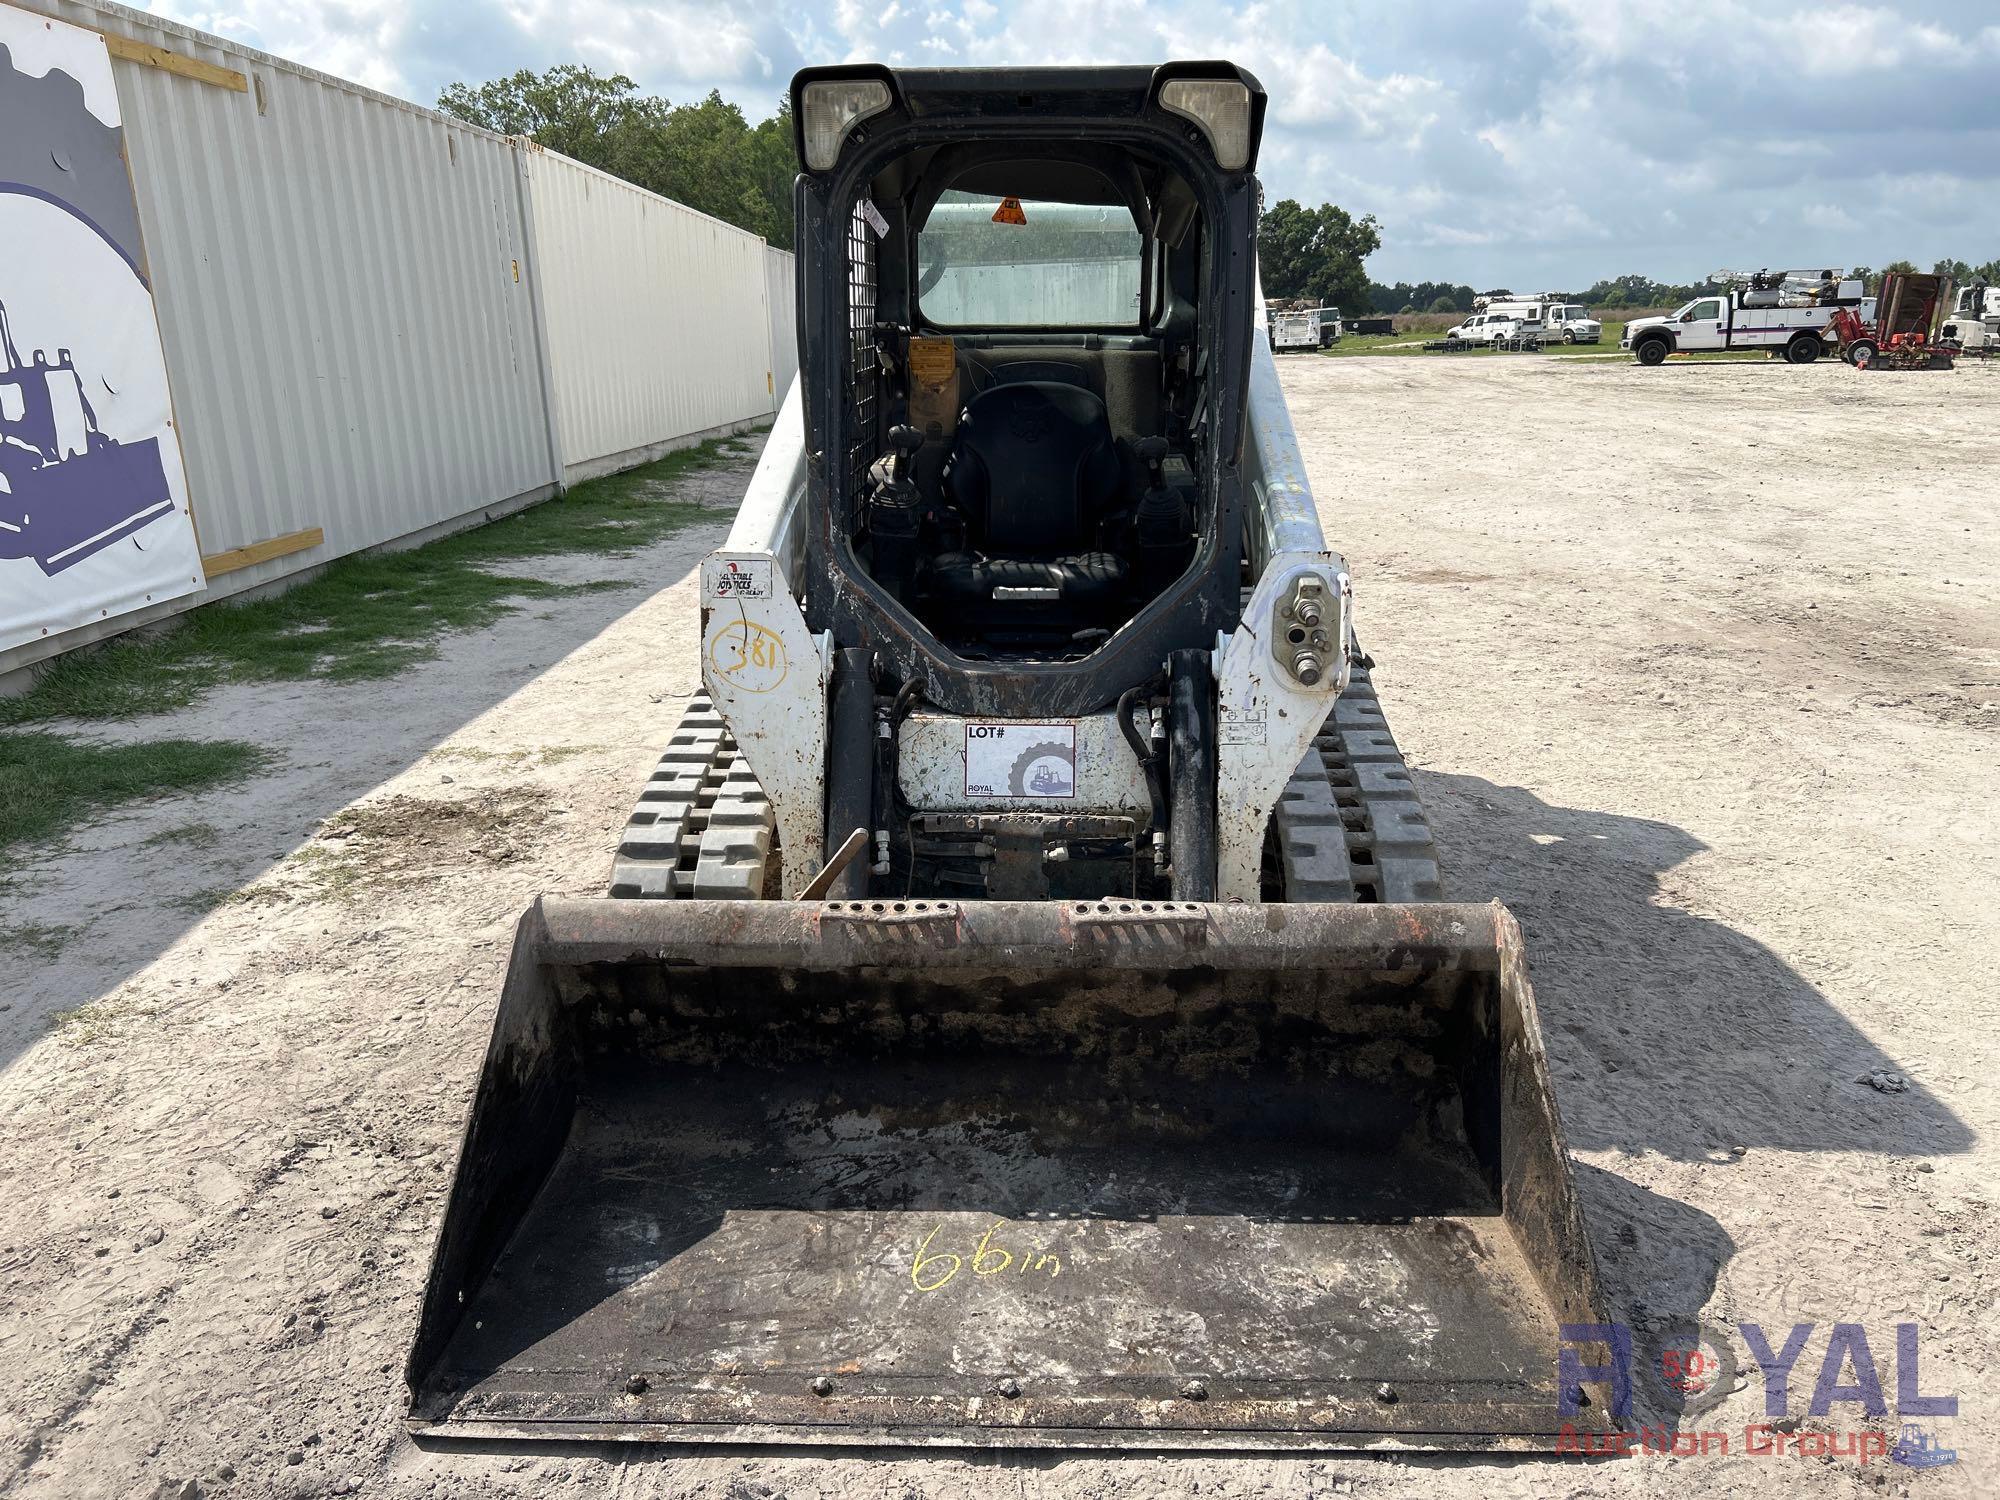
[1024, 1011]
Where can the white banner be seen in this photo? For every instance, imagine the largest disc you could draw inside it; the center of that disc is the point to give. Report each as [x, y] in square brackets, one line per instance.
[94, 519]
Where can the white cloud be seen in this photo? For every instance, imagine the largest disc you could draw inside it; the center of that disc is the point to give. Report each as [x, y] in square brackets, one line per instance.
[1814, 41]
[1496, 141]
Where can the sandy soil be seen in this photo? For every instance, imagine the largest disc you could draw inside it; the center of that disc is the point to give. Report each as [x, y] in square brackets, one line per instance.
[1700, 671]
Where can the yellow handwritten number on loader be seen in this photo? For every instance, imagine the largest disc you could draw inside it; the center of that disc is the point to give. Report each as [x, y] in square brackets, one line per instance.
[750, 656]
[929, 1272]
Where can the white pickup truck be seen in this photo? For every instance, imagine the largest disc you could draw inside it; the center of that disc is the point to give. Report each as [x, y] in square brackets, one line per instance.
[1483, 328]
[1745, 319]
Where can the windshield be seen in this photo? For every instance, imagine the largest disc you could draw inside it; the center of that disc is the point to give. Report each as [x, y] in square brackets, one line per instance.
[985, 261]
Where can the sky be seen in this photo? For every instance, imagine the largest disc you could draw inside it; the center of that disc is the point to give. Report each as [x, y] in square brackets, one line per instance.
[1533, 144]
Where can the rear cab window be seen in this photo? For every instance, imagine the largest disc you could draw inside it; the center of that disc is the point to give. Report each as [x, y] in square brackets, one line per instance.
[990, 262]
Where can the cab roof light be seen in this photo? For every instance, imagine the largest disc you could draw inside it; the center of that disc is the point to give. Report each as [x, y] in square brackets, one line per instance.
[1221, 107]
[832, 107]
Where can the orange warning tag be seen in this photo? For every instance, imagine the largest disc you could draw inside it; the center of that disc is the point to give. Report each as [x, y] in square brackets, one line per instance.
[1009, 212]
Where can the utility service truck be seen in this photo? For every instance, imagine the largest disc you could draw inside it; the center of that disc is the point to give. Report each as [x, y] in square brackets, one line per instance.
[1572, 323]
[1974, 324]
[1294, 329]
[1787, 313]
[1024, 1010]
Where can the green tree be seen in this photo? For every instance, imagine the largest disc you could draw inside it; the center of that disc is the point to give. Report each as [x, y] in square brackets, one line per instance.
[1317, 254]
[705, 155]
[570, 109]
[1871, 281]
[1442, 303]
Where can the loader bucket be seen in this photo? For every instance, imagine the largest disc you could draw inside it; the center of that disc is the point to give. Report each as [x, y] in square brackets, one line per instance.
[1099, 1174]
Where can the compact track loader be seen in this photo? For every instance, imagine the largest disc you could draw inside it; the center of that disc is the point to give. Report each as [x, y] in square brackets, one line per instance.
[1024, 1010]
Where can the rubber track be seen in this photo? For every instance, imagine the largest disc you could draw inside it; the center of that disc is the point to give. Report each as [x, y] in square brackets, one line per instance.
[1349, 826]
[702, 826]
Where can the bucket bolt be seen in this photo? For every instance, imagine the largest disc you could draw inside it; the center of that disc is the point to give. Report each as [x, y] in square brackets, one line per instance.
[1008, 1386]
[822, 1385]
[1194, 1390]
[636, 1385]
[1386, 1394]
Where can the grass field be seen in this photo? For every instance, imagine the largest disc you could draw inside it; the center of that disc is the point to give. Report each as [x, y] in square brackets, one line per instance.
[49, 783]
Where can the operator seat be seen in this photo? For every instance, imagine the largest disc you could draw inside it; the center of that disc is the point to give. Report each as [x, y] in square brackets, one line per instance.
[1035, 470]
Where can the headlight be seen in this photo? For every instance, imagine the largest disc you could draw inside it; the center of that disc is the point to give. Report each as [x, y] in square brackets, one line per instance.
[1221, 107]
[833, 107]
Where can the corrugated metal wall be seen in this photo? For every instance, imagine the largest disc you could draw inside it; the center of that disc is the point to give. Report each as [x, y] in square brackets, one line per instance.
[335, 275]
[656, 319]
[781, 300]
[380, 322]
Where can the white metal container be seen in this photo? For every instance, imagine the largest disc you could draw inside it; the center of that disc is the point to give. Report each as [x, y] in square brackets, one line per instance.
[657, 328]
[339, 276]
[381, 323]
[781, 304]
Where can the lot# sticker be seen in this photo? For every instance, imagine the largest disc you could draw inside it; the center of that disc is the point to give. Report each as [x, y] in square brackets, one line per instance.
[1020, 760]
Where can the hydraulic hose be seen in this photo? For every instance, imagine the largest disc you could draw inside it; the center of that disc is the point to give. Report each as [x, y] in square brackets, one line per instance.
[1148, 762]
[850, 763]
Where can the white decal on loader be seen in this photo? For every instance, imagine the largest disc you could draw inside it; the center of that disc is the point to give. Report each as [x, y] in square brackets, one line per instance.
[734, 578]
[1020, 760]
[1244, 726]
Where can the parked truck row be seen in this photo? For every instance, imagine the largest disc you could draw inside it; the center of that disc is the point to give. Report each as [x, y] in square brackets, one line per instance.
[1798, 315]
[1543, 320]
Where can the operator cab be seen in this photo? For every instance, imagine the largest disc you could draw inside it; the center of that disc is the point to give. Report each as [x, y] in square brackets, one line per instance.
[1031, 430]
[1038, 484]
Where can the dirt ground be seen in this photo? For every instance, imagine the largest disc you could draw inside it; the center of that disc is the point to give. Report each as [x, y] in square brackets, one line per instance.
[1699, 670]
